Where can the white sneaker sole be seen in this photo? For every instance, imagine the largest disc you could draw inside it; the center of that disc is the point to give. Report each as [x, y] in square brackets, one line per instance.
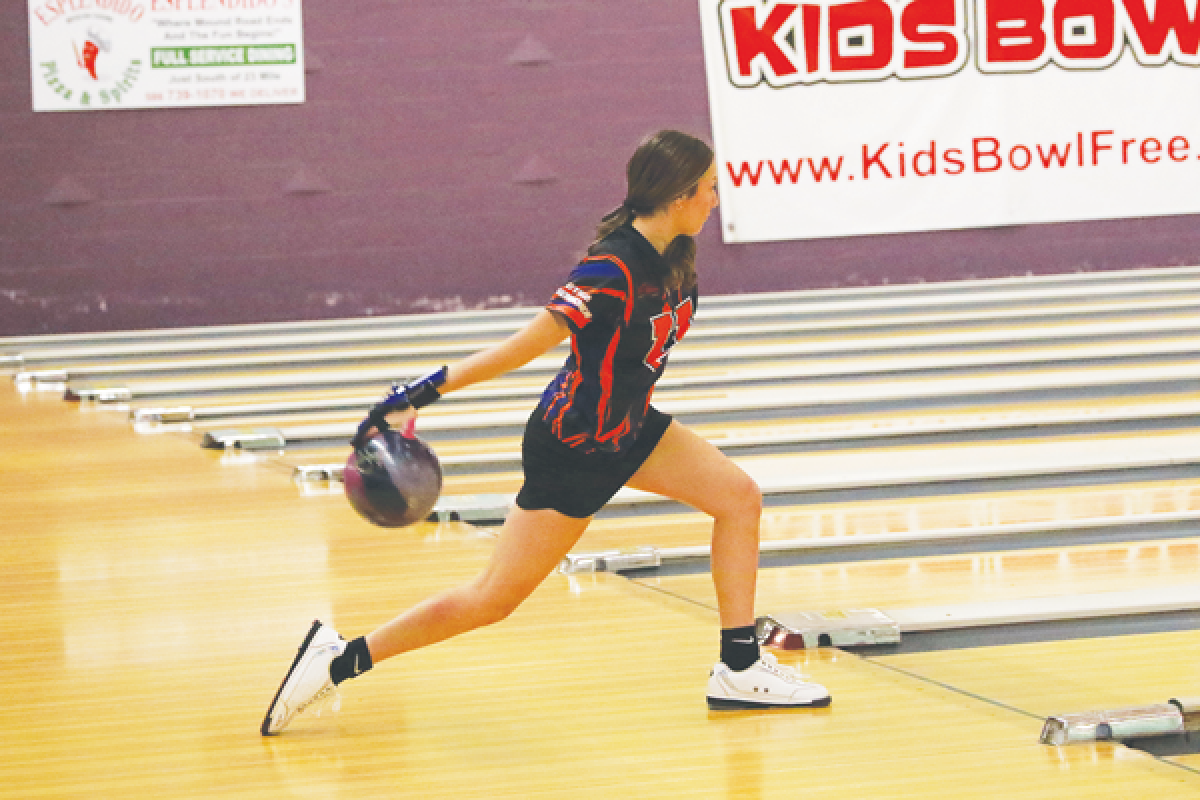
[266, 725]
[730, 704]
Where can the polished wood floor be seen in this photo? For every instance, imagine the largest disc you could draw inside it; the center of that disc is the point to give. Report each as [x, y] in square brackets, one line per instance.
[154, 593]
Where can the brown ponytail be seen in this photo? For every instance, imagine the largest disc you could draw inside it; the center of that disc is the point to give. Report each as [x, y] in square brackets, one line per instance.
[665, 166]
[621, 215]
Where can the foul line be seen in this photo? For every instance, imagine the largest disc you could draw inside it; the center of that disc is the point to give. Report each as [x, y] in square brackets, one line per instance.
[661, 590]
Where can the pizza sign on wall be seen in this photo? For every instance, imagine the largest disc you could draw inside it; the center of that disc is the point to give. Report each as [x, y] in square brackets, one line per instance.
[113, 54]
[876, 116]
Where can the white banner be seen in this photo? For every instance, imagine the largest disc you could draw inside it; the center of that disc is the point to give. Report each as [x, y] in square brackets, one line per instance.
[884, 116]
[109, 54]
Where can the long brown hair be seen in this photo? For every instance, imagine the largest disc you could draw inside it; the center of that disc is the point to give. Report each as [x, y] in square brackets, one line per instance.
[665, 166]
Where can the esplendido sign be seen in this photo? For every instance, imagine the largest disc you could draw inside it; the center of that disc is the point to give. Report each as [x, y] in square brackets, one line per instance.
[881, 116]
[112, 54]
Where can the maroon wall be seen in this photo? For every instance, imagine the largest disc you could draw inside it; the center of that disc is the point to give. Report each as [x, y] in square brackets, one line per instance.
[433, 166]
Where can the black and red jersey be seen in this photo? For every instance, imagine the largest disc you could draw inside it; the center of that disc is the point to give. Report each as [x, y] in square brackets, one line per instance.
[624, 324]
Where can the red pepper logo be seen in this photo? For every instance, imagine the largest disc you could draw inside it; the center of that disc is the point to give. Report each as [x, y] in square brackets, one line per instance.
[87, 59]
[94, 44]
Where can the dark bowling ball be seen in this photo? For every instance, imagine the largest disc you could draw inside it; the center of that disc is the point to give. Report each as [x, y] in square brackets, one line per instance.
[393, 480]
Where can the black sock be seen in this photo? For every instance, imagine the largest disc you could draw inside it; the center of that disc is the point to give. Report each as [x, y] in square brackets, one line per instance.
[739, 648]
[353, 662]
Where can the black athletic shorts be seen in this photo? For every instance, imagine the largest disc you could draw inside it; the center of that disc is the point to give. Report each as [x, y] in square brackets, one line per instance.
[579, 484]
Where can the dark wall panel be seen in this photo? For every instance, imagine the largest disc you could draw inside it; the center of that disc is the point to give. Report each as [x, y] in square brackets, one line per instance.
[451, 154]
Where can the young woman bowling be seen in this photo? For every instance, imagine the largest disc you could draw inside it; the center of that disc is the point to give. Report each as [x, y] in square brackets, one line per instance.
[624, 307]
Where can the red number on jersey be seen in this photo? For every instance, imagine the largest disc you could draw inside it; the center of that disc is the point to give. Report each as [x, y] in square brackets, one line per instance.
[661, 328]
[683, 318]
[668, 328]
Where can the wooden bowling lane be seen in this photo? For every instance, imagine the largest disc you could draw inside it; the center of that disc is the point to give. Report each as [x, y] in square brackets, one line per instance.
[817, 419]
[918, 471]
[1044, 678]
[821, 311]
[449, 425]
[839, 521]
[842, 522]
[1057, 677]
[154, 597]
[350, 417]
[1189, 761]
[690, 363]
[1062, 677]
[791, 319]
[958, 579]
[1035, 679]
[1168, 337]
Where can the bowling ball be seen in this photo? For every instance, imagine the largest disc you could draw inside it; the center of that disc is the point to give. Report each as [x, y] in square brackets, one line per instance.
[393, 480]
